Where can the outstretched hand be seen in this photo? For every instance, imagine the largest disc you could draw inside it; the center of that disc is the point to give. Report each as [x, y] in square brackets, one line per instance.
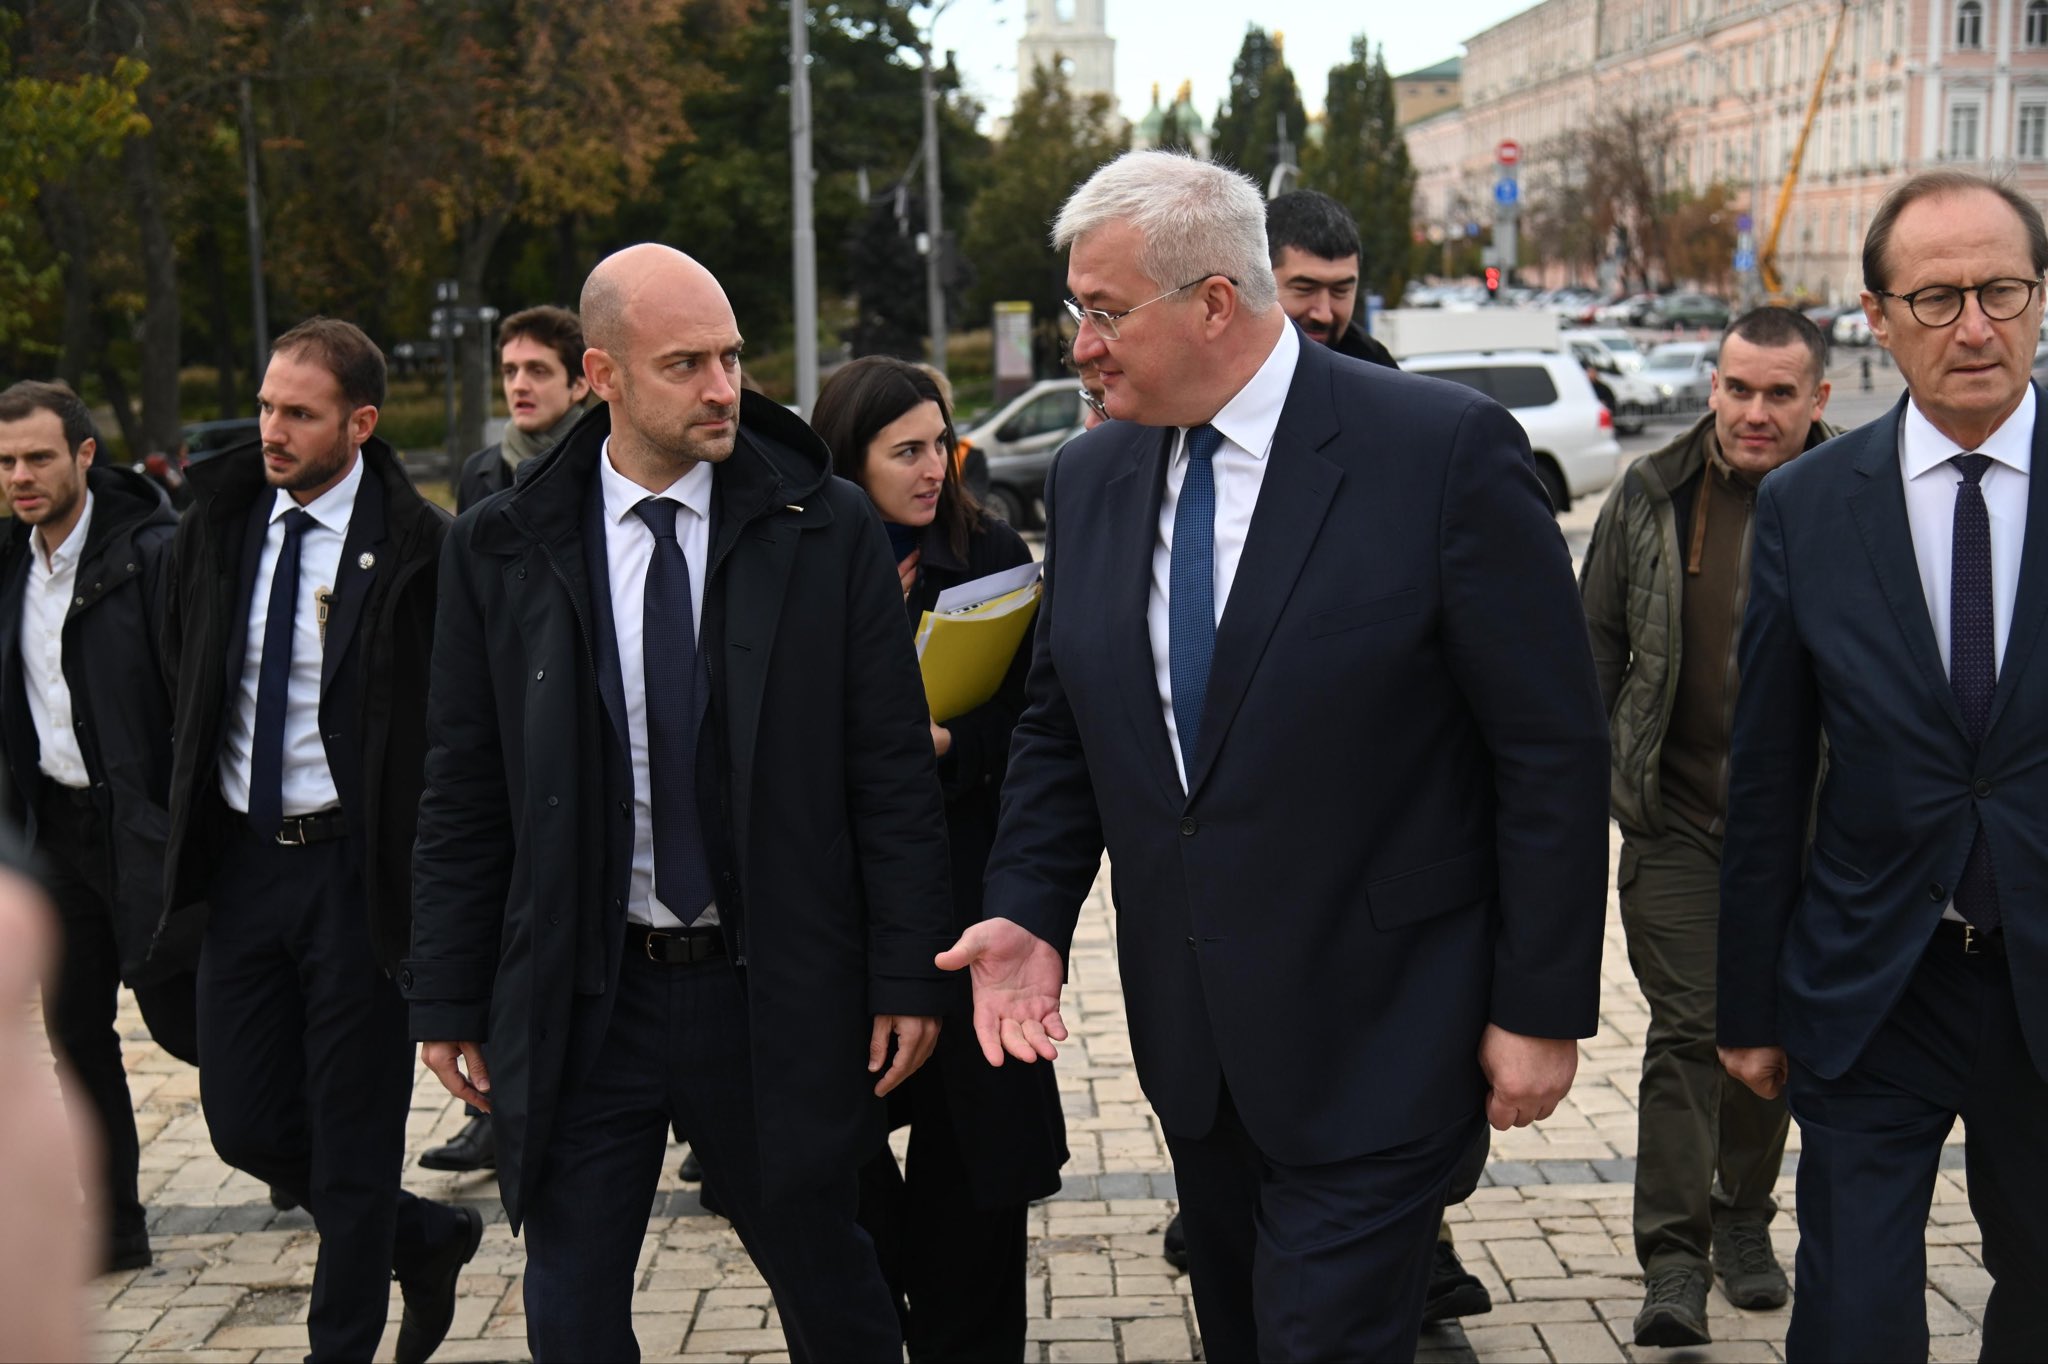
[1017, 977]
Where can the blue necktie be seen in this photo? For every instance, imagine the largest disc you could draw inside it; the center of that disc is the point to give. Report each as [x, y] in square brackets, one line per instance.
[274, 683]
[1973, 663]
[1191, 600]
[668, 642]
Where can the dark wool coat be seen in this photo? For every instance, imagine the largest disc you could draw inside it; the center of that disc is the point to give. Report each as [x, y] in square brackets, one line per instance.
[373, 679]
[823, 815]
[119, 702]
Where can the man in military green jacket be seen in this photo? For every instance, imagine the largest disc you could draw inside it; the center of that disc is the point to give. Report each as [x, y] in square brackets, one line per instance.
[1665, 583]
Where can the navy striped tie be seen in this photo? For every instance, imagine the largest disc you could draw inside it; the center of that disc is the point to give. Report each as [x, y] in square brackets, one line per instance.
[1973, 663]
[1191, 605]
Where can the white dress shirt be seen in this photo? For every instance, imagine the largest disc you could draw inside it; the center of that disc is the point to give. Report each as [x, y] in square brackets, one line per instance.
[628, 549]
[51, 580]
[1246, 423]
[1931, 481]
[308, 784]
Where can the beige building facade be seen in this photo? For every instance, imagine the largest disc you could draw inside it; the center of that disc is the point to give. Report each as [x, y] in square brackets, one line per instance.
[1914, 84]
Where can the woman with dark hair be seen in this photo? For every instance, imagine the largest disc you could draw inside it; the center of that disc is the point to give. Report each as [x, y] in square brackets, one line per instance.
[984, 1142]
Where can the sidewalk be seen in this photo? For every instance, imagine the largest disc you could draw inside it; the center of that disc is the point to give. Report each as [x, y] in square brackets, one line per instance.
[1549, 1233]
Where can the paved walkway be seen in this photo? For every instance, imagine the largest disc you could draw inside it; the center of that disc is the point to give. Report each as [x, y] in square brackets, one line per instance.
[1549, 1232]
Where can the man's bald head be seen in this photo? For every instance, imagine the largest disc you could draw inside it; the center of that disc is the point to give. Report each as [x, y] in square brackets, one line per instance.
[630, 283]
[663, 350]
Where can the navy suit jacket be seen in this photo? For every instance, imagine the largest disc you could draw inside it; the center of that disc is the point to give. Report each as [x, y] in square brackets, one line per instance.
[1815, 950]
[1396, 822]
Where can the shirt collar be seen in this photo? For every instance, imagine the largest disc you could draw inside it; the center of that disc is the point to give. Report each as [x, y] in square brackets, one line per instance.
[1250, 418]
[1922, 448]
[67, 553]
[622, 494]
[332, 508]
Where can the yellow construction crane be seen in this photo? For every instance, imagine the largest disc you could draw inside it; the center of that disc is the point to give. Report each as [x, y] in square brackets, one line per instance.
[1767, 259]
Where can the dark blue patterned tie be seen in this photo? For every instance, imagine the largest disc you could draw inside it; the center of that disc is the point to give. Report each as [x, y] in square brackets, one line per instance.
[274, 683]
[1973, 663]
[1191, 603]
[668, 642]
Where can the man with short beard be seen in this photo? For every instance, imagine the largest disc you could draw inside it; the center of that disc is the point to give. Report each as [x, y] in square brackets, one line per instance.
[540, 363]
[298, 627]
[682, 854]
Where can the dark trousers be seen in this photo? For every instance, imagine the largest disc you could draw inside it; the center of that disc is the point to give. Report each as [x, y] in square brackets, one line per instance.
[306, 1074]
[1871, 1146]
[677, 1053]
[1300, 1262]
[1708, 1150]
[79, 1011]
[955, 1270]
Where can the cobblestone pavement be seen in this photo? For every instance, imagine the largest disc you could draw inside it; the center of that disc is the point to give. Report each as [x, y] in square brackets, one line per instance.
[1549, 1232]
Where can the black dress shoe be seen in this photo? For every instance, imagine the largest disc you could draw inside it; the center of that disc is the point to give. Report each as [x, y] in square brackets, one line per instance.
[691, 1171]
[281, 1200]
[429, 1290]
[1453, 1290]
[128, 1252]
[475, 1147]
[1175, 1247]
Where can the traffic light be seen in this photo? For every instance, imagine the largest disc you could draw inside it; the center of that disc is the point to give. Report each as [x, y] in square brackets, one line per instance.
[1493, 281]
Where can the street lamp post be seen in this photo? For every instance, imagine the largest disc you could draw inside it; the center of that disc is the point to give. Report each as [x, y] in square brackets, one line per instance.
[804, 239]
[934, 222]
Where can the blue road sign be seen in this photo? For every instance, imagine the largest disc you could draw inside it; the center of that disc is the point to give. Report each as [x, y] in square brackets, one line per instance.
[1471, 229]
[1505, 192]
[1745, 260]
[1743, 224]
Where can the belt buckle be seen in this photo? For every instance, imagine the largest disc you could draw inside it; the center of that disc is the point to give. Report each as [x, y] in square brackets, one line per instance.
[648, 947]
[1972, 941]
[289, 827]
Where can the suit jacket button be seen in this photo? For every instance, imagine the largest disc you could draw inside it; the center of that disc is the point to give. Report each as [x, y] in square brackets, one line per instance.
[1188, 827]
[1191, 943]
[1983, 790]
[554, 800]
[405, 979]
[1937, 892]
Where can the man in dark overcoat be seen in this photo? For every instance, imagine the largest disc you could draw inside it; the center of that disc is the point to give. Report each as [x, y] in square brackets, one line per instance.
[662, 884]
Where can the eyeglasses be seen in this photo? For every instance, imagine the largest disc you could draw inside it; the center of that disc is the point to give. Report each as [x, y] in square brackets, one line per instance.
[1094, 404]
[1937, 305]
[1105, 323]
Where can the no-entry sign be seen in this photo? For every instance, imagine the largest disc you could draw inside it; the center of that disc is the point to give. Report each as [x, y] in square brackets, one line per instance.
[1509, 153]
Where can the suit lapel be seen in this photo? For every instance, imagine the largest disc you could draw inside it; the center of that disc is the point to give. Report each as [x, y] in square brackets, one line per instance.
[2030, 600]
[604, 627]
[1879, 508]
[256, 524]
[1133, 499]
[1294, 498]
[363, 555]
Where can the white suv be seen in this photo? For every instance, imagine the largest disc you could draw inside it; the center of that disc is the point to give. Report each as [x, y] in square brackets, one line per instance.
[1570, 430]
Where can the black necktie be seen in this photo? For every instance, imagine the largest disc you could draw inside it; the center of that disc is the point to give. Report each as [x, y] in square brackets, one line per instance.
[1973, 662]
[274, 683]
[668, 643]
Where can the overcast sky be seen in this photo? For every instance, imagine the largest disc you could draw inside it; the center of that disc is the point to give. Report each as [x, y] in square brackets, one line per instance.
[1169, 41]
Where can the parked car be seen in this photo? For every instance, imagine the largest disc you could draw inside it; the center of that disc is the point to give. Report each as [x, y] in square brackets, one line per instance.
[1619, 343]
[1689, 310]
[204, 440]
[1682, 373]
[1628, 311]
[1019, 440]
[1569, 430]
[1851, 328]
[1632, 400]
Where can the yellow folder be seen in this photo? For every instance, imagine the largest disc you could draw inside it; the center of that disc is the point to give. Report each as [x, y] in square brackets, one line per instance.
[965, 648]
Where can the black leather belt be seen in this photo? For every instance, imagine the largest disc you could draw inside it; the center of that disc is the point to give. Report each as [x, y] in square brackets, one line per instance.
[674, 946]
[1969, 939]
[322, 826]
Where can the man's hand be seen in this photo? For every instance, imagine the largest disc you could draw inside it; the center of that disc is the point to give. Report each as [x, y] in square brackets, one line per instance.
[1017, 977]
[448, 1061]
[1763, 1069]
[942, 740]
[915, 1038]
[1527, 1076]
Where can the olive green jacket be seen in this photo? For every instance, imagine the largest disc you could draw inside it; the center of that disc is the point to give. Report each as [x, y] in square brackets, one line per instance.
[1631, 587]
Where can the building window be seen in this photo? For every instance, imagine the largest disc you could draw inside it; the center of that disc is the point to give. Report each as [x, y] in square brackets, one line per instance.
[2037, 23]
[2032, 143]
[1970, 24]
[1962, 132]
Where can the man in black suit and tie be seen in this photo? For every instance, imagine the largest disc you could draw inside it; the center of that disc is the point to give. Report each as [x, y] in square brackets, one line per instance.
[682, 857]
[1897, 595]
[1310, 663]
[297, 631]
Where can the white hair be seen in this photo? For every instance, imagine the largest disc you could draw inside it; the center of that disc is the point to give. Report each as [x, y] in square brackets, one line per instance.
[1197, 219]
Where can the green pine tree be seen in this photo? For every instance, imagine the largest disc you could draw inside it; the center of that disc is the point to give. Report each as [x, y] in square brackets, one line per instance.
[1362, 162]
[1262, 99]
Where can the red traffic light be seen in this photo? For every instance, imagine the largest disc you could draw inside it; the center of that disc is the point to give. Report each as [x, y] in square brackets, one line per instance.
[1492, 279]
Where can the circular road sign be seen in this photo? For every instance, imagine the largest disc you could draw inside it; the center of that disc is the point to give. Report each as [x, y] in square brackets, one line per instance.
[1509, 153]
